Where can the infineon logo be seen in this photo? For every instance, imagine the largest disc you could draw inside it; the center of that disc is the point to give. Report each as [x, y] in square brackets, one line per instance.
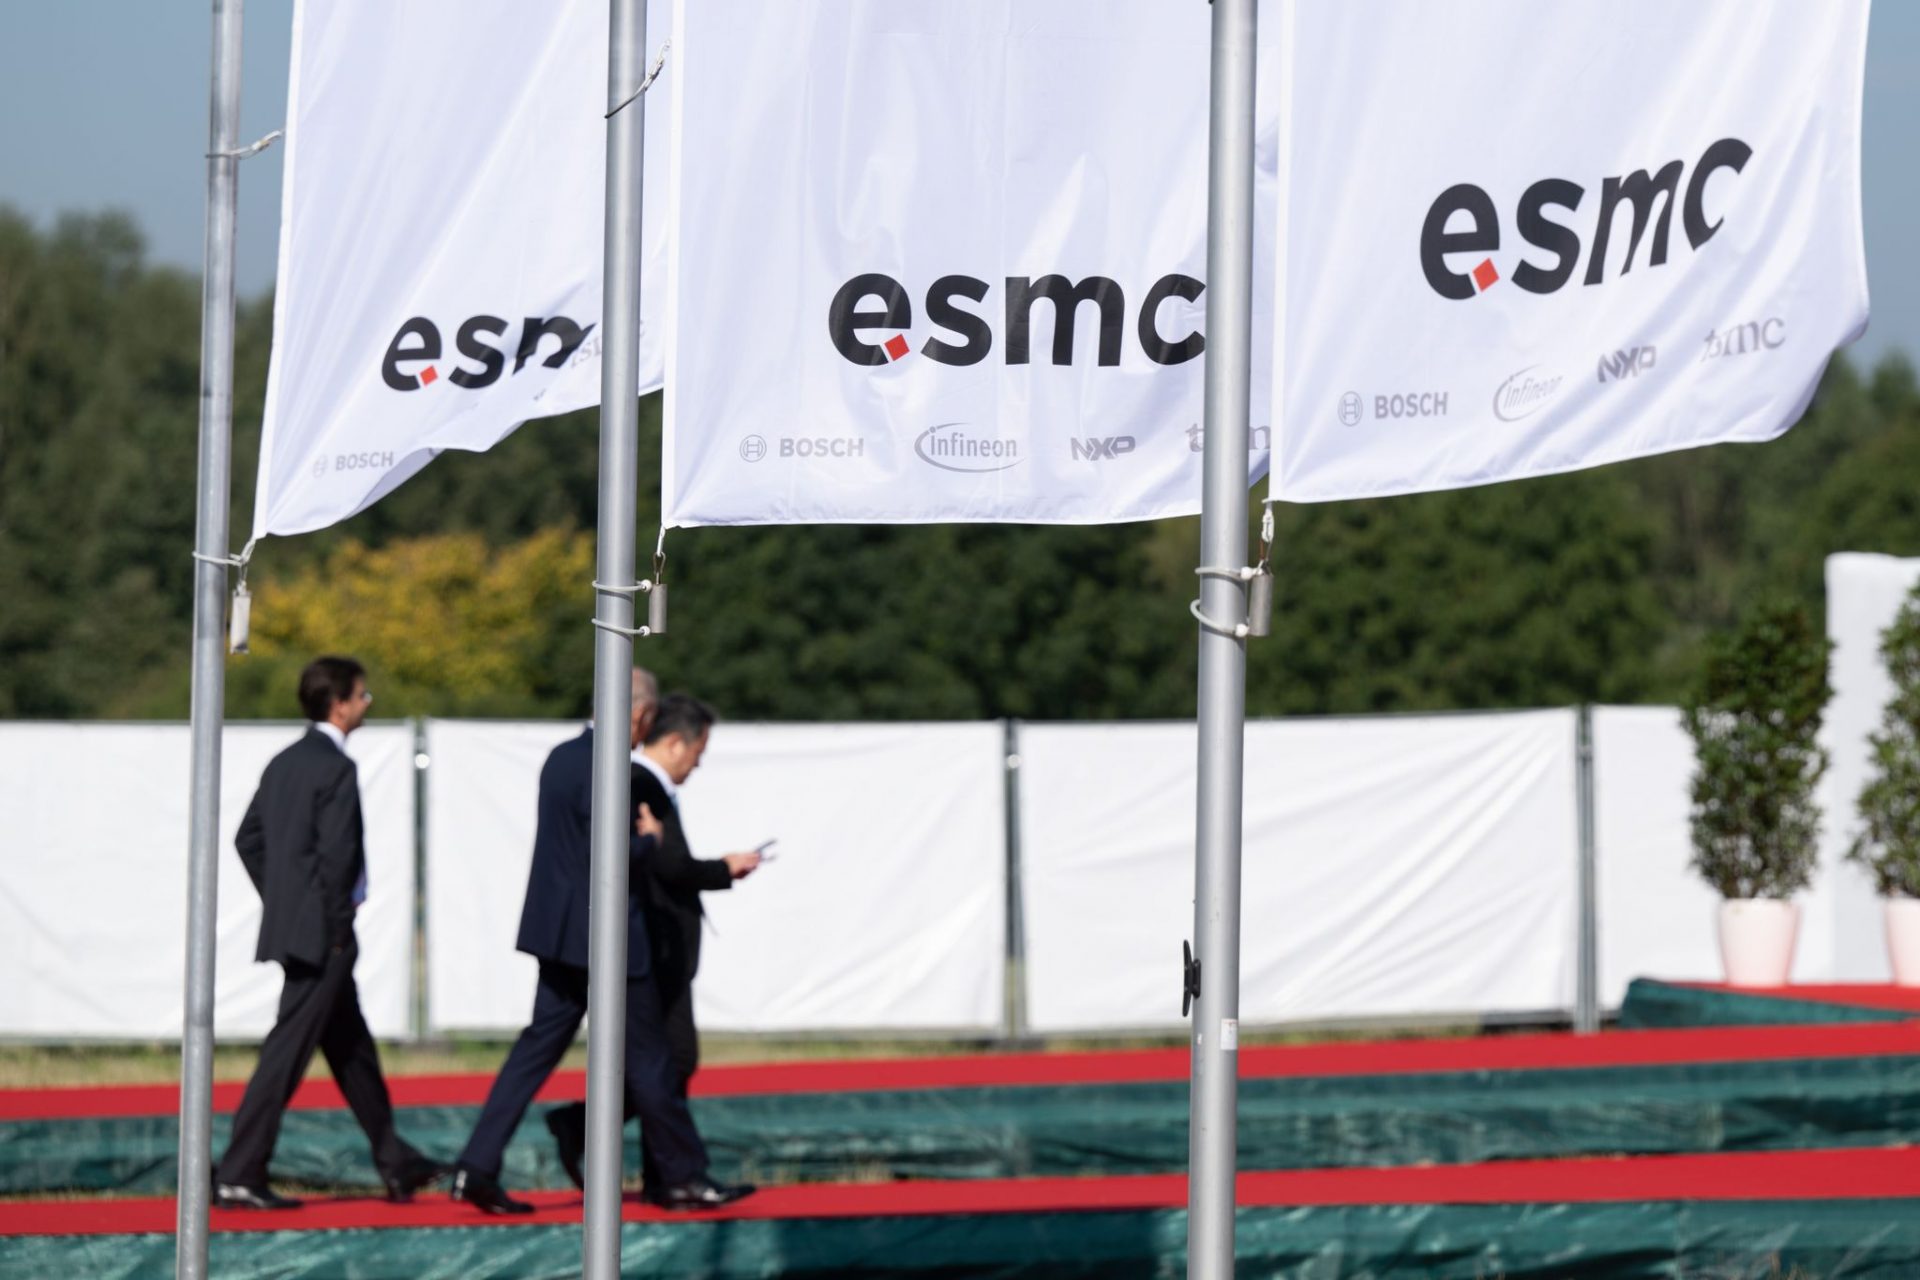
[1463, 226]
[955, 446]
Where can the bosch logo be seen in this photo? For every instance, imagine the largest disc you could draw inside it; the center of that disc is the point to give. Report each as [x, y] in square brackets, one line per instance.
[753, 448]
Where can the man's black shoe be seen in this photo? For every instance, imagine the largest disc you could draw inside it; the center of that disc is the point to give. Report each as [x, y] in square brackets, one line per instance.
[701, 1193]
[226, 1196]
[414, 1174]
[568, 1125]
[485, 1194]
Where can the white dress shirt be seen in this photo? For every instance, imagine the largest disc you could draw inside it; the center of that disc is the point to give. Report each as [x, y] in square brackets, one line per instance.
[651, 766]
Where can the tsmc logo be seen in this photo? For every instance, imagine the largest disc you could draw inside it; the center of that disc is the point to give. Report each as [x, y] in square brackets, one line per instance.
[878, 305]
[412, 356]
[1544, 220]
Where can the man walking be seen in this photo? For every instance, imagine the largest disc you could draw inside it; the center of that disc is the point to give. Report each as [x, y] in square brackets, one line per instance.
[302, 845]
[675, 879]
[553, 929]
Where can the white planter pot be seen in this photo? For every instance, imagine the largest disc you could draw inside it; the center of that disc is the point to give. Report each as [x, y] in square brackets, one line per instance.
[1903, 940]
[1756, 940]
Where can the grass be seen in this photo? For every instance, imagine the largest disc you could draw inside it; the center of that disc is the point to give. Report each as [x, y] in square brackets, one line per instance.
[32, 1066]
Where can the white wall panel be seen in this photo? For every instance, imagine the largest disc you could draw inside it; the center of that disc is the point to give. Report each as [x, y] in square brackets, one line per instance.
[93, 880]
[1656, 914]
[1394, 866]
[884, 909]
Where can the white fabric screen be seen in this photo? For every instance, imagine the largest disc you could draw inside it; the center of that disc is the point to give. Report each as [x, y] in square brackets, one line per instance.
[897, 177]
[482, 781]
[93, 880]
[884, 909]
[441, 226]
[1656, 914]
[1394, 866]
[1460, 299]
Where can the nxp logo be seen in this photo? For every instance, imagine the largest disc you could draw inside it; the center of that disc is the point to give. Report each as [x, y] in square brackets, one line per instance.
[1101, 448]
[1630, 363]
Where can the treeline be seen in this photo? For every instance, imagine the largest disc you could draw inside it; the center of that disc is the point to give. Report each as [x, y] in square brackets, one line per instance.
[466, 591]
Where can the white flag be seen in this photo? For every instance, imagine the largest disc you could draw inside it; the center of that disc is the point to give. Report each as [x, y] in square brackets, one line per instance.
[941, 262]
[1523, 238]
[441, 239]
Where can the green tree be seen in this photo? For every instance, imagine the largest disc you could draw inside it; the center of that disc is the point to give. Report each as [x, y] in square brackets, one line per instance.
[1889, 842]
[445, 624]
[1754, 717]
[1527, 594]
[1601, 585]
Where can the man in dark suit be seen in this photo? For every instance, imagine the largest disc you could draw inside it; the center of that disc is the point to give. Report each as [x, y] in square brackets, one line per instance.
[675, 879]
[302, 845]
[553, 929]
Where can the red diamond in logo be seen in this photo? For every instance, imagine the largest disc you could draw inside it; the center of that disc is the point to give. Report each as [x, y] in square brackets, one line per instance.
[897, 347]
[427, 375]
[1485, 276]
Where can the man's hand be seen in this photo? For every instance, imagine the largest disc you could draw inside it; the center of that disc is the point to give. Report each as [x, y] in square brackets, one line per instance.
[648, 825]
[742, 865]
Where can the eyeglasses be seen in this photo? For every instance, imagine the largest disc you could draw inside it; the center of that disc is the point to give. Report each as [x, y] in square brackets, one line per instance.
[366, 696]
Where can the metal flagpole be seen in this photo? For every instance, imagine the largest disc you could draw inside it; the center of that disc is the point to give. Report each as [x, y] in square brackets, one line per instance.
[209, 657]
[1223, 654]
[613, 648]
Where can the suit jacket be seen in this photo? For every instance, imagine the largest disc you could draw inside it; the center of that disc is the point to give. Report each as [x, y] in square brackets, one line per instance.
[304, 848]
[553, 922]
[675, 880]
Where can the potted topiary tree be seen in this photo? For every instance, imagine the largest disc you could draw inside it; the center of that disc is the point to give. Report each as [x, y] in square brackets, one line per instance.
[1754, 717]
[1889, 840]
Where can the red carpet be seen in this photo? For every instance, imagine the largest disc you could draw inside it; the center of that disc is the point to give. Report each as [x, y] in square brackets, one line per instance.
[1786, 1176]
[1485, 1053]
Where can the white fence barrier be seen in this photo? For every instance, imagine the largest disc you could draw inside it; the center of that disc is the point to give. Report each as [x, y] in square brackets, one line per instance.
[1395, 865]
[884, 910]
[1656, 916]
[93, 880]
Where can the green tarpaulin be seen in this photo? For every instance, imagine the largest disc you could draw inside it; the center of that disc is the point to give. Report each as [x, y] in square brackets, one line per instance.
[1005, 1132]
[1651, 1004]
[1809, 1240]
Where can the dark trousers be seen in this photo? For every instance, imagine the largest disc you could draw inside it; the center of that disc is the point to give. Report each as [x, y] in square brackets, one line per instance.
[319, 1008]
[683, 1038]
[668, 1140]
[683, 1049]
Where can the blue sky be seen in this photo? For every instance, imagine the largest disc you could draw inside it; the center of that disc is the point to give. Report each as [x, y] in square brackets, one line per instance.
[105, 104]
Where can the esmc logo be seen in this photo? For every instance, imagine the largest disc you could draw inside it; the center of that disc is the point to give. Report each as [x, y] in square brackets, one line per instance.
[968, 334]
[410, 362]
[1544, 220]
